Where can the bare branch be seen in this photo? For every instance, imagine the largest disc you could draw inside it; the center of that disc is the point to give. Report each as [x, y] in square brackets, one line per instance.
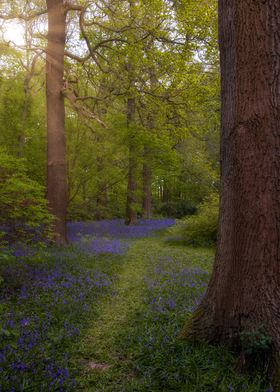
[90, 49]
[74, 7]
[121, 30]
[102, 43]
[87, 98]
[70, 94]
[77, 58]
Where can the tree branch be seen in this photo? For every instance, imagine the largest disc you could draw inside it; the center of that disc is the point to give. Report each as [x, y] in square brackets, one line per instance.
[74, 7]
[77, 58]
[70, 94]
[26, 18]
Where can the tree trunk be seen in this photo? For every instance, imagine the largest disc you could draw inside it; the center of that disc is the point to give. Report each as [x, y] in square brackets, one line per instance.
[27, 90]
[147, 184]
[24, 120]
[161, 190]
[102, 194]
[131, 201]
[244, 291]
[57, 168]
[165, 192]
[147, 169]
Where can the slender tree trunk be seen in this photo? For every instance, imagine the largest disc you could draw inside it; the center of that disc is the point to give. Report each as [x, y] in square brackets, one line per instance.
[147, 184]
[102, 201]
[24, 119]
[57, 167]
[244, 291]
[102, 194]
[131, 201]
[147, 169]
[161, 190]
[165, 192]
[27, 90]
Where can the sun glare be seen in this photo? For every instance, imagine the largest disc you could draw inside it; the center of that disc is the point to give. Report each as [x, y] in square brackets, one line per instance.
[14, 32]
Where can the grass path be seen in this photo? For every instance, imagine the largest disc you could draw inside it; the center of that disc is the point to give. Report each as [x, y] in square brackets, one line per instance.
[132, 344]
[116, 313]
[122, 331]
[117, 310]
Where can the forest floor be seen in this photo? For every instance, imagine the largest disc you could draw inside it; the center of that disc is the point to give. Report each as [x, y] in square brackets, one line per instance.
[105, 313]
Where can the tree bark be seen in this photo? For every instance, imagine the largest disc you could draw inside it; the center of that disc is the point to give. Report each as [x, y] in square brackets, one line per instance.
[147, 169]
[27, 90]
[165, 192]
[102, 194]
[57, 168]
[147, 184]
[244, 291]
[131, 201]
[24, 119]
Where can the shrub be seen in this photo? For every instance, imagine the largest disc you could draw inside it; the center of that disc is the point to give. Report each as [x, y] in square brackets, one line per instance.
[256, 341]
[24, 214]
[200, 229]
[175, 209]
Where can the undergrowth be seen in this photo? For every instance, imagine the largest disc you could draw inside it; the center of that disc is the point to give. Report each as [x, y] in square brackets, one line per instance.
[73, 321]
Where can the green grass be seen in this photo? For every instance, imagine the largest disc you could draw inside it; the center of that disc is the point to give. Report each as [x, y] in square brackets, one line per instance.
[131, 330]
[140, 345]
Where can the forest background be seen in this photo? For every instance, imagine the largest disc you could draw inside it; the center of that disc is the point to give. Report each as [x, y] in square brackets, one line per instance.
[141, 92]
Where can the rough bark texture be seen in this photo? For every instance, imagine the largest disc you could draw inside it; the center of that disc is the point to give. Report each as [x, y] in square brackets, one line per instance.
[244, 291]
[57, 168]
[131, 202]
[147, 184]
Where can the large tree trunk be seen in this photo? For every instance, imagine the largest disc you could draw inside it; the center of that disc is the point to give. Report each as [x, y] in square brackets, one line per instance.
[147, 184]
[131, 201]
[57, 168]
[244, 291]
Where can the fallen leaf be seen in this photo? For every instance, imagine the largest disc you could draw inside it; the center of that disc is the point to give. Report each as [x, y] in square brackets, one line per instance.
[99, 366]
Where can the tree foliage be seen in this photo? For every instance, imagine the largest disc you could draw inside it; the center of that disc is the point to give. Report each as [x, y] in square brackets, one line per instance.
[24, 214]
